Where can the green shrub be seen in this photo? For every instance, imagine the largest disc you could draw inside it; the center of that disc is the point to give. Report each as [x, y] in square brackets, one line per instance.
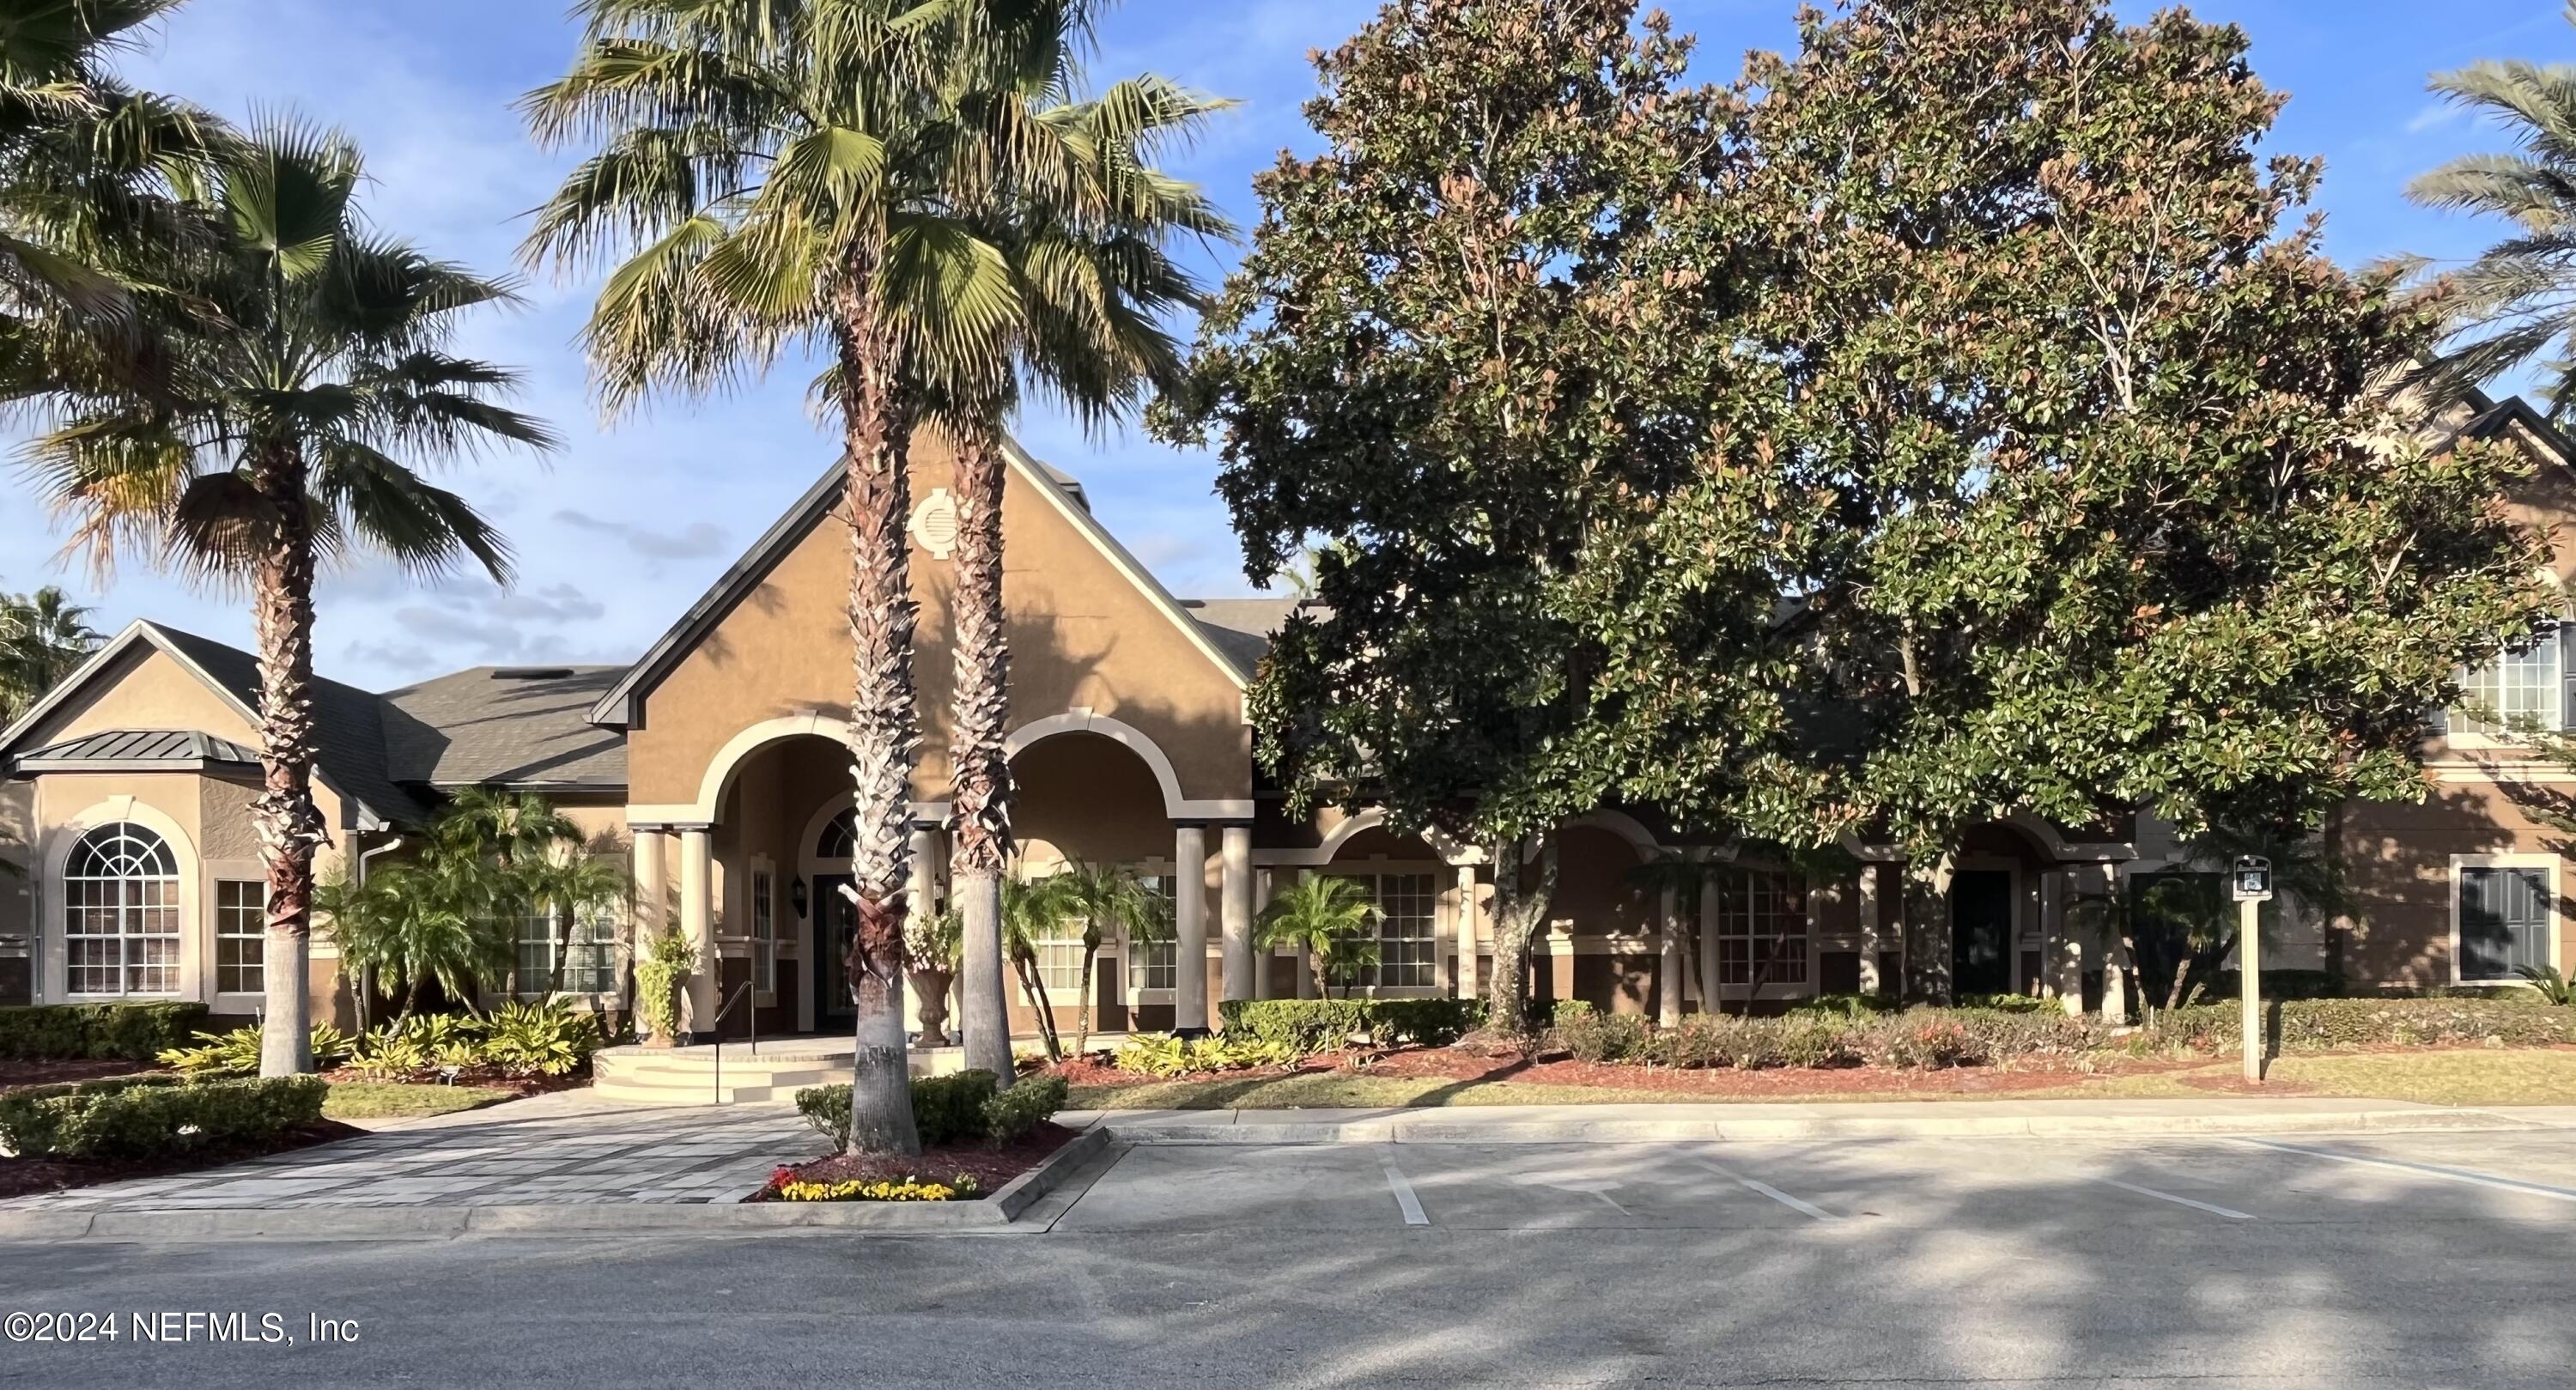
[2313, 1025]
[2005, 1003]
[1031, 1101]
[154, 1116]
[2548, 986]
[945, 1109]
[1598, 1037]
[237, 1053]
[132, 1032]
[1318, 1025]
[549, 1037]
[2219, 987]
[1923, 1041]
[1163, 1054]
[1845, 1006]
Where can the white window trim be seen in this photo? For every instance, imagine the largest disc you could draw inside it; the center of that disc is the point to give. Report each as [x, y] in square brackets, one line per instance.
[2548, 863]
[1443, 934]
[1648, 944]
[760, 865]
[52, 941]
[1128, 973]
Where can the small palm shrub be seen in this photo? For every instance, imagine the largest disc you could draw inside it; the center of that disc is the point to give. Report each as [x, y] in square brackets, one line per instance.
[2550, 984]
[1162, 1054]
[237, 1053]
[549, 1037]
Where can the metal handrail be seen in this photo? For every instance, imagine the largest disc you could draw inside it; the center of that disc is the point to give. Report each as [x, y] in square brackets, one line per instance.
[716, 1026]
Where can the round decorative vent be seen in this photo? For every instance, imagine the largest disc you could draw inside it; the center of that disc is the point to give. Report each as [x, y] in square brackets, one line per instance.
[934, 523]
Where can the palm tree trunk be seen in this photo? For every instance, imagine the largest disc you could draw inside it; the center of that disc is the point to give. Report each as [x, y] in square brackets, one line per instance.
[980, 789]
[1516, 919]
[884, 725]
[289, 825]
[1082, 1006]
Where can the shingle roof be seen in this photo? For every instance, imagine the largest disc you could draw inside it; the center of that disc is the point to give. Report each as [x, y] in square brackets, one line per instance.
[135, 749]
[516, 726]
[348, 724]
[1241, 627]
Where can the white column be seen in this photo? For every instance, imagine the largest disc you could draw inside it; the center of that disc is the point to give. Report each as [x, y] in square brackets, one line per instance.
[2063, 948]
[1668, 972]
[2115, 976]
[1466, 931]
[1234, 911]
[1264, 958]
[923, 903]
[1189, 922]
[1872, 929]
[698, 921]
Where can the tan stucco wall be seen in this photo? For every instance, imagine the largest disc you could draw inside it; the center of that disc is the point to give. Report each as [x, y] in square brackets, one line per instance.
[1081, 635]
[2399, 860]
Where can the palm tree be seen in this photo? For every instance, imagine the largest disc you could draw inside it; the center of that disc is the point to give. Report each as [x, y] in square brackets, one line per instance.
[1332, 918]
[438, 919]
[1035, 911]
[91, 178]
[1084, 254]
[758, 161]
[295, 411]
[1103, 898]
[2509, 306]
[44, 636]
[774, 172]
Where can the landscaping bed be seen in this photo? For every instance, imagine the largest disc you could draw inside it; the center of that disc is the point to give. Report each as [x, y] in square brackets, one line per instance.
[21, 1177]
[49, 1071]
[985, 1165]
[78, 1133]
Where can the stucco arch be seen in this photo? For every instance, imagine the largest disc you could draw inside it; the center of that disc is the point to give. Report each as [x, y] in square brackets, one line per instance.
[1134, 740]
[1619, 823]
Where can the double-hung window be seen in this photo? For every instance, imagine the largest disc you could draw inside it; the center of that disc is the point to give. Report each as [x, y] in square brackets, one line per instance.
[1408, 946]
[764, 929]
[241, 936]
[2533, 686]
[121, 913]
[1761, 929]
[1155, 964]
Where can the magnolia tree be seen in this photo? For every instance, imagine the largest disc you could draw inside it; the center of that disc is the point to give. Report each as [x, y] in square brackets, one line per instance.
[2122, 513]
[1956, 419]
[1463, 346]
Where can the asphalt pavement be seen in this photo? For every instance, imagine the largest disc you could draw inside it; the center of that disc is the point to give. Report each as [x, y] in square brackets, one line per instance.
[2414, 1260]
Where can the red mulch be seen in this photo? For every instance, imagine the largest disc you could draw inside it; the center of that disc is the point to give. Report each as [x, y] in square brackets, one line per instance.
[21, 1176]
[990, 1167]
[16, 1072]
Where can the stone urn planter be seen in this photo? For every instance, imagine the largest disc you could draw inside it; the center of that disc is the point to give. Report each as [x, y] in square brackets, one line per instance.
[931, 988]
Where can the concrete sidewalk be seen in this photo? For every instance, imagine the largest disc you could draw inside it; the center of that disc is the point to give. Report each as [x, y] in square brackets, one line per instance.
[1653, 1123]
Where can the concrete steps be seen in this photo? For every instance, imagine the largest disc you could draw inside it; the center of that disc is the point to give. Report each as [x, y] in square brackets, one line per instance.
[771, 1076]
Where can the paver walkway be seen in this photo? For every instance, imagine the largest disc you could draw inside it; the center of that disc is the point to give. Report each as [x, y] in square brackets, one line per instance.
[568, 1148]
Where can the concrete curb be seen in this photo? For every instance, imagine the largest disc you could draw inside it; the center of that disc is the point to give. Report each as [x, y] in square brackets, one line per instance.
[994, 1213]
[1423, 1129]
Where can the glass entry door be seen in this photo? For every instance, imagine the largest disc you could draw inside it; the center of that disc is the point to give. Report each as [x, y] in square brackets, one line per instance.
[836, 925]
[1981, 931]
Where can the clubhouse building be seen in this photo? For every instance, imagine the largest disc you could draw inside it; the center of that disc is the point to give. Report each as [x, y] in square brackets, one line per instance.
[715, 763]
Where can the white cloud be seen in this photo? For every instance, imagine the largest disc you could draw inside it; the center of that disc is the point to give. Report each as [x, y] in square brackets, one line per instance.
[2434, 114]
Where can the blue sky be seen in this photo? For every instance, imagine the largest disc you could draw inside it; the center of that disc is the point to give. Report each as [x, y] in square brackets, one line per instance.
[632, 520]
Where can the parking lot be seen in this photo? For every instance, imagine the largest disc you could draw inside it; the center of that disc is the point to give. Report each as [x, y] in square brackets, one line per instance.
[2317, 1263]
[1850, 1187]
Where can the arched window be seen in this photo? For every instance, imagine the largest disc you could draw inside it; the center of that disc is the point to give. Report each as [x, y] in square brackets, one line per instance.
[840, 839]
[121, 913]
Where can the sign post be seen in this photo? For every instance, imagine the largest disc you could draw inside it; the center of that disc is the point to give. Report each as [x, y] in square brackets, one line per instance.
[2250, 883]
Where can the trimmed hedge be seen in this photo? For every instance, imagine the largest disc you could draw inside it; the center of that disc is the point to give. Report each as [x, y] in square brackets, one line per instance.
[1317, 1025]
[129, 1032]
[1915, 1039]
[945, 1109]
[2311, 1025]
[1030, 1102]
[1921, 1038]
[154, 1116]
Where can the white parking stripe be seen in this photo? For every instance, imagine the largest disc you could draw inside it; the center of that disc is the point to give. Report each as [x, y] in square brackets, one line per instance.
[1404, 1198]
[2467, 1175]
[2212, 1208]
[1769, 1191]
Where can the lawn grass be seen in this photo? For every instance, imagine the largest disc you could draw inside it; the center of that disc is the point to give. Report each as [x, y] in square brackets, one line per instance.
[1343, 1091]
[2464, 1076]
[393, 1100]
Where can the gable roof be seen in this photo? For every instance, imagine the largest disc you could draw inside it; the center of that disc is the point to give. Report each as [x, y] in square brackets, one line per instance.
[520, 727]
[348, 727]
[622, 707]
[1242, 627]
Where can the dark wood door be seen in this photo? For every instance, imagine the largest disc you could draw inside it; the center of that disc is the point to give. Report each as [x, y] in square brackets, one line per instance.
[836, 924]
[1981, 931]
